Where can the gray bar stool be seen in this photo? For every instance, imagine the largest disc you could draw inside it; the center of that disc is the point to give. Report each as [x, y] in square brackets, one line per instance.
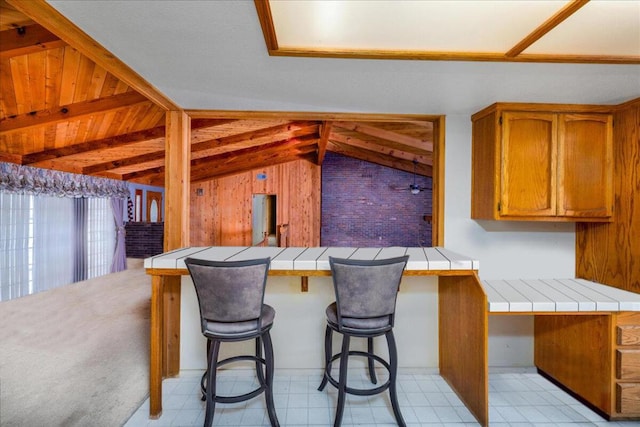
[366, 293]
[231, 300]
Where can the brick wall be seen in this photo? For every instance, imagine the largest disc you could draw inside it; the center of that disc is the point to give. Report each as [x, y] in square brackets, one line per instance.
[360, 206]
[144, 239]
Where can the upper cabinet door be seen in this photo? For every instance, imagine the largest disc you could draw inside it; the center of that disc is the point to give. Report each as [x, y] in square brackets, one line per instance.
[585, 168]
[529, 159]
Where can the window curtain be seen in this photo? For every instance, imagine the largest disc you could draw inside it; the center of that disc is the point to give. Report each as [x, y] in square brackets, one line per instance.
[53, 248]
[19, 179]
[55, 228]
[119, 255]
[15, 222]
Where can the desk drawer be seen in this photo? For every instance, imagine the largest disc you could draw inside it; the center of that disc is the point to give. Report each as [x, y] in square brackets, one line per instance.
[628, 364]
[628, 398]
[628, 335]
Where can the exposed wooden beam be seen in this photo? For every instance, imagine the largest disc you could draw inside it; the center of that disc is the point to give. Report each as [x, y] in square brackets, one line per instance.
[380, 159]
[392, 150]
[245, 159]
[258, 150]
[26, 40]
[371, 129]
[568, 10]
[47, 16]
[69, 112]
[309, 156]
[113, 142]
[297, 128]
[124, 161]
[117, 141]
[325, 132]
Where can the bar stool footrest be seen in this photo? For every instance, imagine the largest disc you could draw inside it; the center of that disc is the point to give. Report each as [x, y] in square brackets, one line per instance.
[239, 397]
[360, 391]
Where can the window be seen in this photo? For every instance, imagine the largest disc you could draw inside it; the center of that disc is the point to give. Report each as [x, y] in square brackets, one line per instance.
[49, 241]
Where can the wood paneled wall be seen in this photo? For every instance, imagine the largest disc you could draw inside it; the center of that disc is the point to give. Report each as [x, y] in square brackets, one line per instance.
[220, 210]
[610, 253]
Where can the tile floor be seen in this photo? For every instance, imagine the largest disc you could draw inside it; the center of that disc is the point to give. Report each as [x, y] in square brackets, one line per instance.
[517, 397]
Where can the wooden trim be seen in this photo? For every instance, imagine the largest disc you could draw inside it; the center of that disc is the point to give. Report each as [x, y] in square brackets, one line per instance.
[463, 348]
[266, 22]
[568, 10]
[438, 182]
[452, 56]
[309, 115]
[185, 272]
[45, 15]
[543, 107]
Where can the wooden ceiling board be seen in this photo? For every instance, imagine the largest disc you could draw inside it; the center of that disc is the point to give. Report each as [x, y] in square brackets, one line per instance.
[61, 110]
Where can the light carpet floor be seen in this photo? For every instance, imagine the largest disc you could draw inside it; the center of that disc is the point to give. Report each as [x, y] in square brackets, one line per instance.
[77, 355]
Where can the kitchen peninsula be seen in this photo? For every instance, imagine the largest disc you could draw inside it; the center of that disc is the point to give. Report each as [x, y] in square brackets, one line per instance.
[463, 306]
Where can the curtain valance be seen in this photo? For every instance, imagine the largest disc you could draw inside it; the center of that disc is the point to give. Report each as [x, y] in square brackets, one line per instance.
[18, 179]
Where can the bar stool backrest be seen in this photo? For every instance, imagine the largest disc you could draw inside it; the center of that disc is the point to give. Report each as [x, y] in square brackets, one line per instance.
[229, 291]
[366, 288]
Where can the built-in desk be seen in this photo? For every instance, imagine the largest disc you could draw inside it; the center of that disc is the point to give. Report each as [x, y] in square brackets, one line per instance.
[586, 337]
[304, 262]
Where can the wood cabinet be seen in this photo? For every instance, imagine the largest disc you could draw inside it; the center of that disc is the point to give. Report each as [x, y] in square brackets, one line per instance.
[541, 162]
[596, 357]
[627, 377]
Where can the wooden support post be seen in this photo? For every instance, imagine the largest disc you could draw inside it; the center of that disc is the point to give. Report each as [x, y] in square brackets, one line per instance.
[176, 225]
[156, 348]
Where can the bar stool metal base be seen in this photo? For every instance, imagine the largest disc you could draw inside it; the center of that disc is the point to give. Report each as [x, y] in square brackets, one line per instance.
[343, 356]
[264, 373]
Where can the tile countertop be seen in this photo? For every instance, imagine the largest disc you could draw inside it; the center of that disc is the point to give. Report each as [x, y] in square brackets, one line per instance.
[556, 295]
[315, 258]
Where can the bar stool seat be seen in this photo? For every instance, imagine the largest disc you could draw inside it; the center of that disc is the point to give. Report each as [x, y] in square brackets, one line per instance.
[366, 294]
[231, 301]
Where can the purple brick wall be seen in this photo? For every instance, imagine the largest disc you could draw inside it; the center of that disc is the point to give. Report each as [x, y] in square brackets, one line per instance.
[360, 206]
[144, 239]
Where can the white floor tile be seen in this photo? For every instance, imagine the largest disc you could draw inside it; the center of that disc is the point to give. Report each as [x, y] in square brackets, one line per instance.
[520, 398]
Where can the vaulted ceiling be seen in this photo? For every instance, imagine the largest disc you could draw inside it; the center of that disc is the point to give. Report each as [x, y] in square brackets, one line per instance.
[60, 110]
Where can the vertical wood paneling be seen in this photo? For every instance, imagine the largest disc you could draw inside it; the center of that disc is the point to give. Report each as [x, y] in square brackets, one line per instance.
[7, 93]
[53, 77]
[20, 72]
[70, 66]
[83, 80]
[223, 212]
[37, 68]
[610, 253]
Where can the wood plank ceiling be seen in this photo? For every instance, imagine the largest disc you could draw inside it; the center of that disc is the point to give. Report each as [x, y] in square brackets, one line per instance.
[60, 110]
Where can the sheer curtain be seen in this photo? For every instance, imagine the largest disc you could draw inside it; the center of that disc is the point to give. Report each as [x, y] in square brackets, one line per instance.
[15, 241]
[101, 238]
[53, 248]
